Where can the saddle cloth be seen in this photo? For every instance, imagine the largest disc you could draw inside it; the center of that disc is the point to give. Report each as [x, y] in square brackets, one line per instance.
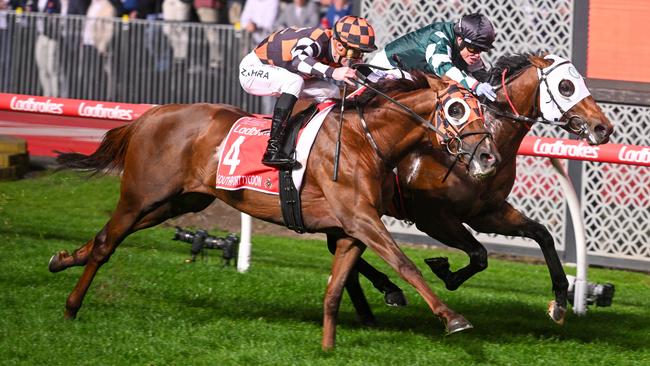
[240, 156]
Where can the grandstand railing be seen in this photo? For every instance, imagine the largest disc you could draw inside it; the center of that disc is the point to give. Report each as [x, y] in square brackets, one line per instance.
[132, 61]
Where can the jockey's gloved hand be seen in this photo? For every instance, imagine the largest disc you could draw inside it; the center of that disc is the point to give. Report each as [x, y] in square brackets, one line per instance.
[344, 73]
[377, 75]
[486, 90]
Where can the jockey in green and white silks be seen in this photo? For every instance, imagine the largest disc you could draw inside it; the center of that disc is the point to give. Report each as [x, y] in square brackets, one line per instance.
[445, 49]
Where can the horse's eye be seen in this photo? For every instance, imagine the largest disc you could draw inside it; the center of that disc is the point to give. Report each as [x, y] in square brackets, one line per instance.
[566, 88]
[456, 110]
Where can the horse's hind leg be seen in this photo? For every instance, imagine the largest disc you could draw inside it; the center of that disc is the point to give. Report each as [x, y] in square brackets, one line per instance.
[167, 210]
[510, 221]
[79, 257]
[117, 228]
[126, 219]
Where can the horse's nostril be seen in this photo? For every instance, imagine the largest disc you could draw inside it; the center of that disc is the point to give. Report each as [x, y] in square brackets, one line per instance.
[602, 130]
[488, 158]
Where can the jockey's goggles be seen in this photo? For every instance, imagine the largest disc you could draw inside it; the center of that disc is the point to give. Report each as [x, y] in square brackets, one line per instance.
[353, 53]
[473, 50]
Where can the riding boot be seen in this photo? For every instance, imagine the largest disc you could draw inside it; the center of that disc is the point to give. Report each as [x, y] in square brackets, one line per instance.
[274, 156]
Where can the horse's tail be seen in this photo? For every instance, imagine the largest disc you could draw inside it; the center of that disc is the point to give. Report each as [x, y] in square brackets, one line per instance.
[109, 155]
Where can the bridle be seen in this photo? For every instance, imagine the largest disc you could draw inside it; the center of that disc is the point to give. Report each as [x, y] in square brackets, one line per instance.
[543, 78]
[454, 144]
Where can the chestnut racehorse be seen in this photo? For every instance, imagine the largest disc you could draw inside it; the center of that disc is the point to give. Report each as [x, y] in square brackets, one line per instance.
[169, 156]
[440, 207]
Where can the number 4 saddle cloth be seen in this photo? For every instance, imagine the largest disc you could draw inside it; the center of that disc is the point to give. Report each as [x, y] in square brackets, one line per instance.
[240, 155]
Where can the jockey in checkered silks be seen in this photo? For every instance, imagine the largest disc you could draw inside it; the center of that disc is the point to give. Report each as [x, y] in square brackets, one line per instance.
[445, 49]
[297, 63]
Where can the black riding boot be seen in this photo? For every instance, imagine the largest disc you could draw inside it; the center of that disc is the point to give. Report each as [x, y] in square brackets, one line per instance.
[274, 156]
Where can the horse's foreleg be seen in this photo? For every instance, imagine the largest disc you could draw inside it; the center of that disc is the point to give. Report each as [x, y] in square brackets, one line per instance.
[510, 221]
[393, 295]
[372, 232]
[353, 287]
[452, 233]
[348, 251]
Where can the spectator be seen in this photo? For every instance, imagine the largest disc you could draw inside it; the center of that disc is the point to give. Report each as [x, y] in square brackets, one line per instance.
[177, 11]
[234, 11]
[71, 43]
[96, 38]
[150, 9]
[46, 50]
[98, 29]
[212, 12]
[324, 5]
[76, 7]
[258, 18]
[337, 10]
[301, 13]
[6, 42]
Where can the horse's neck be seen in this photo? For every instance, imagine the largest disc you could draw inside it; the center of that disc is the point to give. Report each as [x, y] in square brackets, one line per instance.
[395, 131]
[508, 133]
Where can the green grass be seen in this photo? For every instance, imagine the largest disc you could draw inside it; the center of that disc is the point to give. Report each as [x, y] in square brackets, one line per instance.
[146, 307]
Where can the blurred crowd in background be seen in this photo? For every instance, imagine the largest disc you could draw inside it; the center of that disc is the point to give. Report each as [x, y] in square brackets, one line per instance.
[255, 16]
[152, 51]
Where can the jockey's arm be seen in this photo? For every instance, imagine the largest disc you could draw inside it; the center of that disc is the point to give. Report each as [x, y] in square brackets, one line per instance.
[304, 55]
[438, 56]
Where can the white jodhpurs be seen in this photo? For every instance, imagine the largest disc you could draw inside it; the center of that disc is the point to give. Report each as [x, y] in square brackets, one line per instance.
[261, 79]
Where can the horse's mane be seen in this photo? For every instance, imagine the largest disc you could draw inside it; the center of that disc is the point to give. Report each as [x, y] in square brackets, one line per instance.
[513, 63]
[390, 86]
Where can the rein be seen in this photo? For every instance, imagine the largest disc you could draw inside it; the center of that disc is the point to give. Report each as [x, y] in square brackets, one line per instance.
[444, 137]
[459, 137]
[514, 115]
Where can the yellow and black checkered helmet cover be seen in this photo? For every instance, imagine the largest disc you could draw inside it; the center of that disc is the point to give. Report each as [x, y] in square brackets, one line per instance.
[355, 32]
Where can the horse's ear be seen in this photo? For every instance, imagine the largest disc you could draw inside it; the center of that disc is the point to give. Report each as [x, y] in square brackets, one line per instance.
[539, 61]
[435, 82]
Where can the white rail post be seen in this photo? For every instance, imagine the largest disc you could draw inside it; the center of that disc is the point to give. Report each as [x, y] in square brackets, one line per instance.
[580, 285]
[244, 253]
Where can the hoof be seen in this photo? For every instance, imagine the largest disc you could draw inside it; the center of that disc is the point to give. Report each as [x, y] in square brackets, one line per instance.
[458, 324]
[395, 298]
[368, 321]
[55, 262]
[439, 266]
[556, 312]
[68, 315]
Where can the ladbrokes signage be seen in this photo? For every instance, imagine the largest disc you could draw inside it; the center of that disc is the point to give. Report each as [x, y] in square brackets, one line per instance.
[579, 150]
[30, 104]
[72, 107]
[560, 149]
[99, 111]
[634, 154]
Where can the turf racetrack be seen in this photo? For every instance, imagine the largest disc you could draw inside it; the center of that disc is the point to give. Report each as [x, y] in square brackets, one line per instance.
[147, 307]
